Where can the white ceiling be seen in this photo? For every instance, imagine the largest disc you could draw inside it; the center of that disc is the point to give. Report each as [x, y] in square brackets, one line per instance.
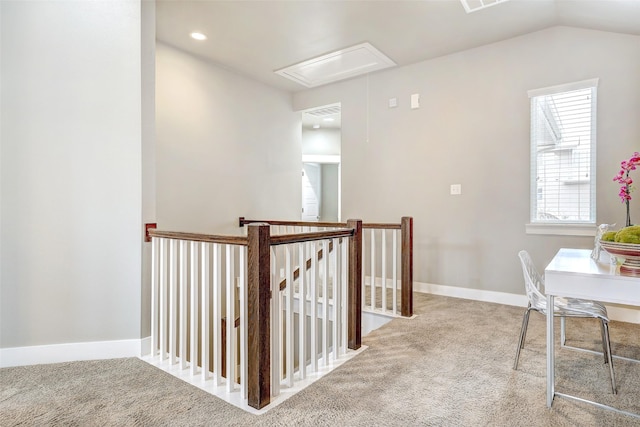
[255, 38]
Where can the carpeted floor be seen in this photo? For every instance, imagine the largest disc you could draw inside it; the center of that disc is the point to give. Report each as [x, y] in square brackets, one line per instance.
[450, 366]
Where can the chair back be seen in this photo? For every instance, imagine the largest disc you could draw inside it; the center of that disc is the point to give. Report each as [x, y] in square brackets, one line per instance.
[533, 283]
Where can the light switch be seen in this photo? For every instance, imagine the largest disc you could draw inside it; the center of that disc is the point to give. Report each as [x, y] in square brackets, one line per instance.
[456, 189]
[415, 101]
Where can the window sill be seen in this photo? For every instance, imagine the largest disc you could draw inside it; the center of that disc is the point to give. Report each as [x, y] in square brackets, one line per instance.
[561, 229]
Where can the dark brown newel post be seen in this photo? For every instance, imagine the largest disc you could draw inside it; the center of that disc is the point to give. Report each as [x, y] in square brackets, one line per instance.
[354, 316]
[406, 308]
[258, 300]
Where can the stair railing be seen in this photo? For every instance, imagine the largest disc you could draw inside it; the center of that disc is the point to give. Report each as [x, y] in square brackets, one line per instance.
[387, 260]
[201, 281]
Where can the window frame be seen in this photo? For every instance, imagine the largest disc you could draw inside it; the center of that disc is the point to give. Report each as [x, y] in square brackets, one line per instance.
[560, 226]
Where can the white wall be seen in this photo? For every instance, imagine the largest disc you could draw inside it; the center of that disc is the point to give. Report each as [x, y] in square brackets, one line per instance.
[321, 142]
[227, 146]
[330, 192]
[71, 172]
[148, 65]
[473, 129]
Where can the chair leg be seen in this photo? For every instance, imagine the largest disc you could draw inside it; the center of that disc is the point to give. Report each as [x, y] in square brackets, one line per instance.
[523, 334]
[604, 341]
[605, 326]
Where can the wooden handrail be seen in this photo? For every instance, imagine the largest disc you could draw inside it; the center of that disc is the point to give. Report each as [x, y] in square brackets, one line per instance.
[283, 239]
[242, 221]
[197, 237]
[382, 226]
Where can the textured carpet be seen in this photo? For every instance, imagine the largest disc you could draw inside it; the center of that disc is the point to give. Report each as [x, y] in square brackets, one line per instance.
[450, 366]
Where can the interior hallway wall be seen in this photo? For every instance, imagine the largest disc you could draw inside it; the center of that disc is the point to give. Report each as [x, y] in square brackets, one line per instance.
[472, 128]
[227, 146]
[71, 172]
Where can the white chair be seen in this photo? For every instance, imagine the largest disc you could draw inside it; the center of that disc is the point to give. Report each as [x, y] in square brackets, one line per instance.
[563, 307]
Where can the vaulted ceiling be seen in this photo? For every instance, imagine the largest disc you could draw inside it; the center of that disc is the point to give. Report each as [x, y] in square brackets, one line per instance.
[256, 38]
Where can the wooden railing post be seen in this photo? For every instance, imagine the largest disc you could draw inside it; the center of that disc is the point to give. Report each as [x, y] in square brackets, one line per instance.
[406, 303]
[354, 316]
[258, 318]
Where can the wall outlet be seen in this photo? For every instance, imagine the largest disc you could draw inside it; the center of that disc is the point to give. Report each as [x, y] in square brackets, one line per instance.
[456, 189]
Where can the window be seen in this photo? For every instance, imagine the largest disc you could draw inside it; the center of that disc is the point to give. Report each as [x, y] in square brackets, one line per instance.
[563, 142]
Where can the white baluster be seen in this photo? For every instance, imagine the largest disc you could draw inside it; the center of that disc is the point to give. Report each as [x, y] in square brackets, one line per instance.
[193, 354]
[345, 299]
[183, 304]
[384, 269]
[325, 302]
[289, 315]
[231, 360]
[154, 295]
[373, 268]
[276, 361]
[395, 271]
[163, 299]
[217, 314]
[173, 297]
[313, 285]
[243, 321]
[302, 311]
[205, 310]
[335, 293]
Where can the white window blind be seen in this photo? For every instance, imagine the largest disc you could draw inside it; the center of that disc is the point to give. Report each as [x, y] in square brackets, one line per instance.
[563, 153]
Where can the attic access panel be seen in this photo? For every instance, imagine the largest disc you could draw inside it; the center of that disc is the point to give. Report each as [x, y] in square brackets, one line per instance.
[338, 65]
[476, 5]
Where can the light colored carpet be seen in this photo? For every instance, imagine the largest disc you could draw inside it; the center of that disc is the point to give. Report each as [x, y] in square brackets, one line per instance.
[450, 366]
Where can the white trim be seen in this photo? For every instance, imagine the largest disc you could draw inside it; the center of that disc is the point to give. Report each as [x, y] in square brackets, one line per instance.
[321, 158]
[565, 87]
[356, 60]
[57, 353]
[561, 229]
[482, 5]
[623, 314]
[145, 346]
[616, 312]
[472, 294]
[236, 399]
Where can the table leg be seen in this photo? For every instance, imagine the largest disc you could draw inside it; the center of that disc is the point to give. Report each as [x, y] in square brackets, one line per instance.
[550, 353]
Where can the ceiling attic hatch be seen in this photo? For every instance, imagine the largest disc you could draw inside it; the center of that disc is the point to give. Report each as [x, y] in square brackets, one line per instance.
[476, 5]
[338, 65]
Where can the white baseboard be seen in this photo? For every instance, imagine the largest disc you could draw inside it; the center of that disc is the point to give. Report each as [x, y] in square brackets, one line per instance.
[473, 294]
[616, 312]
[57, 353]
[145, 346]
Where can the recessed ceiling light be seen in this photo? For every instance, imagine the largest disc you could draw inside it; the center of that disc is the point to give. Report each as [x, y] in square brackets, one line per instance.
[316, 126]
[198, 36]
[328, 119]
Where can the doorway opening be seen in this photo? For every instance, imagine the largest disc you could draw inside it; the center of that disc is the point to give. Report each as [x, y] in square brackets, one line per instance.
[321, 164]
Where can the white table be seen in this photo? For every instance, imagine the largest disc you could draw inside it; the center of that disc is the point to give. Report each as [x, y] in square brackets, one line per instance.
[573, 273]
